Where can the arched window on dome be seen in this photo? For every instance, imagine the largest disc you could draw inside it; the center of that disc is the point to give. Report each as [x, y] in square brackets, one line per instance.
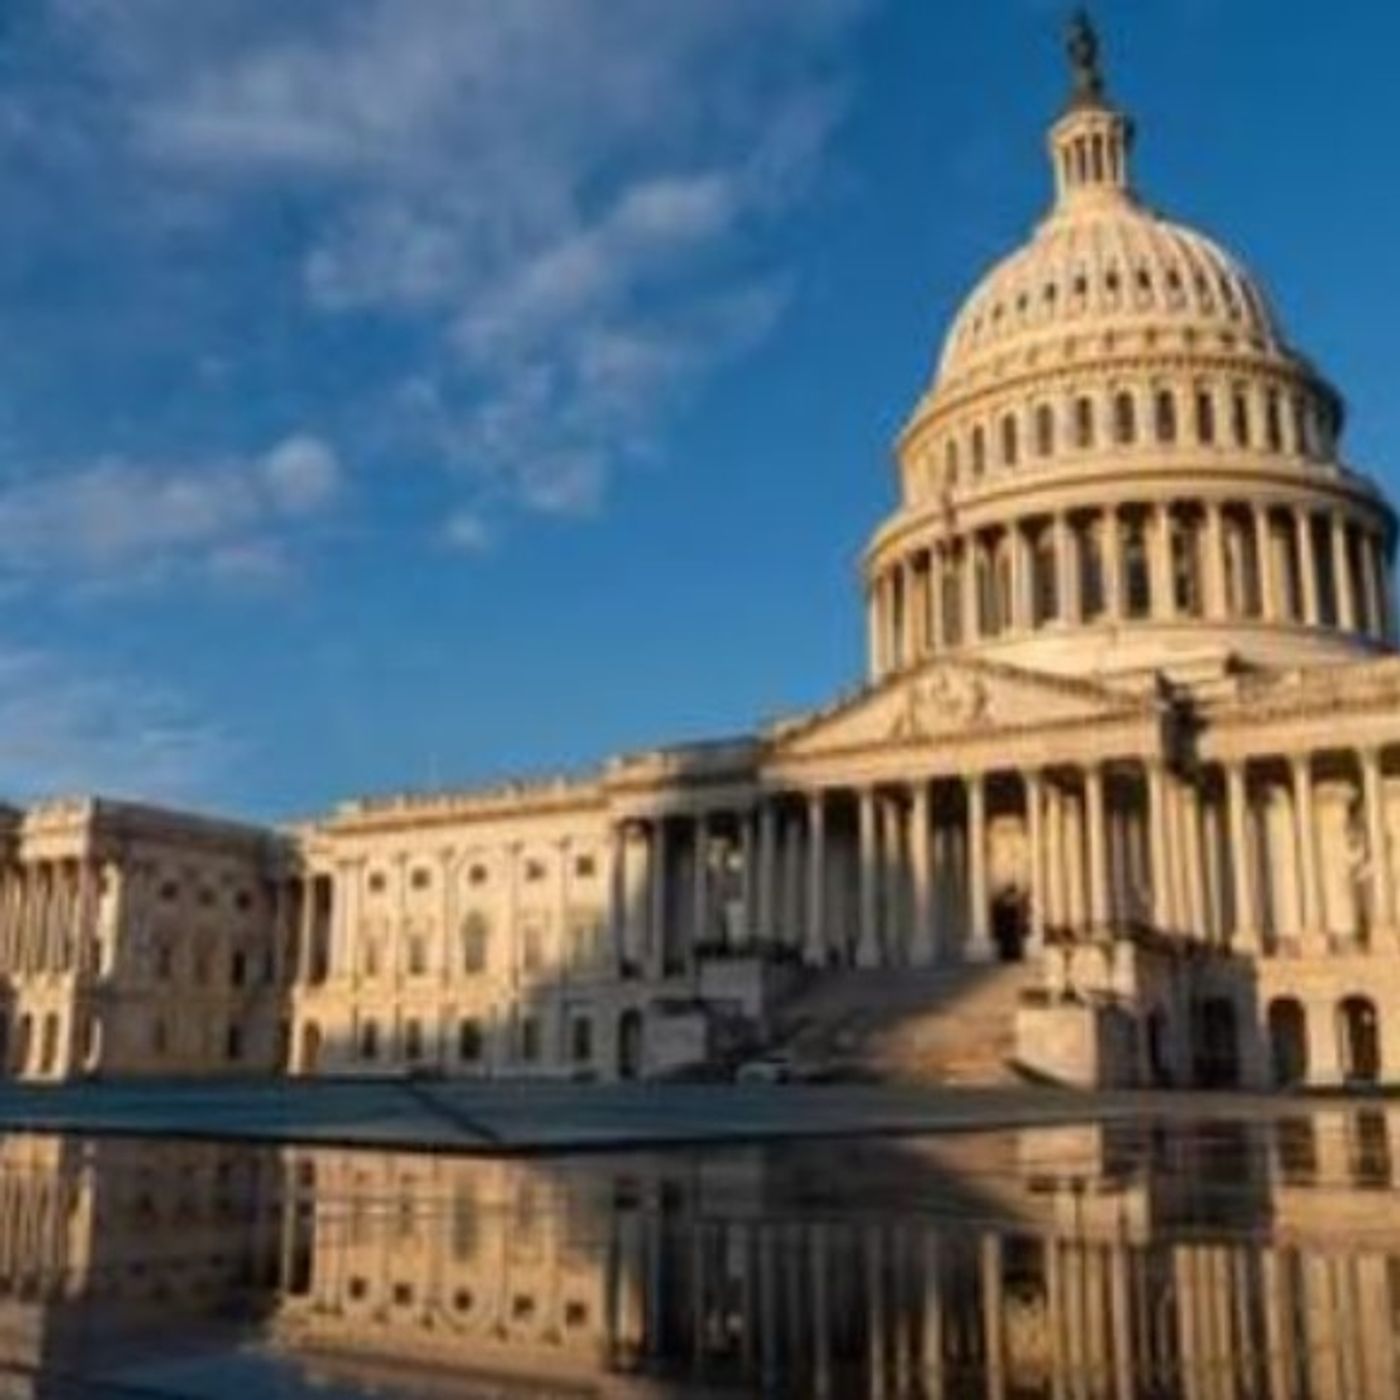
[1164, 416]
[979, 450]
[1124, 418]
[1205, 416]
[1136, 573]
[1239, 417]
[1010, 440]
[950, 462]
[1273, 422]
[1045, 430]
[1083, 422]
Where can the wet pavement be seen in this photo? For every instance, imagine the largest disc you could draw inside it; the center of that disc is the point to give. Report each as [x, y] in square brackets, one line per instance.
[499, 1116]
[1219, 1257]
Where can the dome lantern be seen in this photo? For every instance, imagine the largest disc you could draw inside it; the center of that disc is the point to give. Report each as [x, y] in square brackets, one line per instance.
[1090, 145]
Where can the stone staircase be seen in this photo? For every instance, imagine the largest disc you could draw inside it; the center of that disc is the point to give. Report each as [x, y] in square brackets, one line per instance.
[945, 1025]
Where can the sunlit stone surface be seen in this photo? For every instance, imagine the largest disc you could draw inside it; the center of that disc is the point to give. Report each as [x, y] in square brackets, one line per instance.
[1117, 802]
[1213, 1260]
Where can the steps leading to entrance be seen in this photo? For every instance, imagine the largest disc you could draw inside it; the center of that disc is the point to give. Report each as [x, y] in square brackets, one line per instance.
[947, 1025]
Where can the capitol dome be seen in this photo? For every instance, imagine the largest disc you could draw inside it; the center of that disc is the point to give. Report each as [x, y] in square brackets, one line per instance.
[1121, 462]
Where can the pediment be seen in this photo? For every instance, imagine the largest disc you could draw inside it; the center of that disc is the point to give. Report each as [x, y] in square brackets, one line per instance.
[946, 700]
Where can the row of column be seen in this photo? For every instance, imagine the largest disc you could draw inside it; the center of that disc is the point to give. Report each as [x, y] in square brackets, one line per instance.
[49, 916]
[1377, 868]
[899, 873]
[1223, 562]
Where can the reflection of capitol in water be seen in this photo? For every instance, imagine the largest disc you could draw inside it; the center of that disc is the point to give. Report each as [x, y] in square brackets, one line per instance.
[1211, 1261]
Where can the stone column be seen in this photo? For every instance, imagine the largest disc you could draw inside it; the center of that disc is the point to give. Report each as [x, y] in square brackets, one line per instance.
[1264, 557]
[1162, 910]
[979, 947]
[872, 627]
[971, 631]
[920, 839]
[1217, 604]
[868, 948]
[936, 640]
[700, 890]
[1019, 615]
[617, 897]
[1112, 565]
[816, 880]
[1377, 844]
[1371, 580]
[1307, 566]
[1094, 820]
[1194, 858]
[1067, 606]
[912, 641]
[767, 862]
[1035, 843]
[891, 898]
[1341, 571]
[659, 871]
[1246, 930]
[1305, 835]
[1163, 599]
[748, 862]
[1054, 857]
[790, 923]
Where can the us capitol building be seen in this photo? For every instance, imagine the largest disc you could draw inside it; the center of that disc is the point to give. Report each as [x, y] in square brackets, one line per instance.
[1117, 802]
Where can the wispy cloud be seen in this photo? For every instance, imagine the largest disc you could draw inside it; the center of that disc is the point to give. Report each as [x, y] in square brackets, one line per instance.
[65, 729]
[558, 207]
[118, 522]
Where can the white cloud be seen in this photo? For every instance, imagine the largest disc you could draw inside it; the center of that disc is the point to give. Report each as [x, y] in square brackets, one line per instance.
[467, 532]
[67, 729]
[555, 203]
[118, 522]
[302, 474]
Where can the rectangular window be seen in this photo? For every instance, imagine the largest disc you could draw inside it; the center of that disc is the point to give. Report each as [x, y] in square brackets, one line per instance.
[417, 956]
[581, 1040]
[529, 1040]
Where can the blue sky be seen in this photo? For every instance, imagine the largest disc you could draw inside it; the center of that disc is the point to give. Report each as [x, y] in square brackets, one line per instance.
[401, 393]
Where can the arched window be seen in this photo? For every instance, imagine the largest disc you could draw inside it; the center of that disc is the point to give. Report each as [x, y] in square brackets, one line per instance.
[475, 941]
[979, 450]
[1239, 417]
[1164, 414]
[950, 460]
[1083, 422]
[1124, 417]
[369, 1040]
[1045, 430]
[1205, 417]
[1009, 440]
[1358, 1029]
